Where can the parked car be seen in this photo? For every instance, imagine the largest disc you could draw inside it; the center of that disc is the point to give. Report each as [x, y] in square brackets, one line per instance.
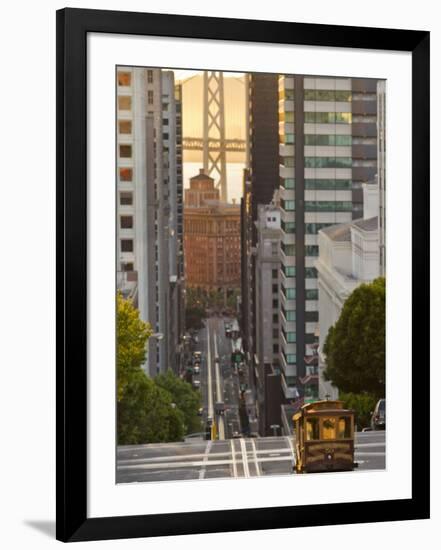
[378, 418]
[196, 384]
[196, 368]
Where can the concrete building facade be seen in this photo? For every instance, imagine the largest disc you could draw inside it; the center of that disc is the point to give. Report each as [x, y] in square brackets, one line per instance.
[349, 256]
[267, 279]
[146, 197]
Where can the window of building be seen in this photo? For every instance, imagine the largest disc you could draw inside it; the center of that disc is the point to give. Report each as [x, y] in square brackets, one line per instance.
[311, 294]
[275, 273]
[275, 333]
[275, 348]
[290, 358]
[126, 245]
[127, 266]
[289, 293]
[124, 102]
[287, 183]
[275, 303]
[287, 162]
[150, 97]
[275, 288]
[288, 249]
[288, 227]
[165, 136]
[290, 314]
[323, 139]
[125, 126]
[290, 337]
[289, 270]
[287, 205]
[124, 78]
[126, 222]
[149, 76]
[328, 118]
[328, 184]
[311, 250]
[328, 162]
[328, 206]
[125, 151]
[275, 317]
[311, 316]
[311, 272]
[328, 95]
[126, 198]
[125, 174]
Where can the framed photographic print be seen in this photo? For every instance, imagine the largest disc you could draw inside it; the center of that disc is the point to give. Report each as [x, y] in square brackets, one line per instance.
[242, 274]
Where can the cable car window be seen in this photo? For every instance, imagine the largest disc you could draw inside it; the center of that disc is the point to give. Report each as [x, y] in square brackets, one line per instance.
[344, 427]
[329, 428]
[312, 429]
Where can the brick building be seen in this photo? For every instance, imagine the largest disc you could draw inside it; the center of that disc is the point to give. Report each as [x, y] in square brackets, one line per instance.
[211, 237]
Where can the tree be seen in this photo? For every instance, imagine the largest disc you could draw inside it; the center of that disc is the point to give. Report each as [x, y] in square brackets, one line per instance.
[132, 336]
[355, 345]
[146, 414]
[187, 399]
[194, 316]
[363, 404]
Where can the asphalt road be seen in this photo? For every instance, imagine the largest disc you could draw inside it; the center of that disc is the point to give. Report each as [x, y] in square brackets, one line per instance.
[230, 458]
[219, 381]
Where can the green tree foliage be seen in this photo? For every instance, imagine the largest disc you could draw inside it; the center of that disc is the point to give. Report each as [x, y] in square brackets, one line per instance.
[355, 345]
[132, 335]
[363, 404]
[187, 399]
[146, 414]
[194, 316]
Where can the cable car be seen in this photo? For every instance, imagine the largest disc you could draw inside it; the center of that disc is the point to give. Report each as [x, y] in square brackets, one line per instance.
[324, 437]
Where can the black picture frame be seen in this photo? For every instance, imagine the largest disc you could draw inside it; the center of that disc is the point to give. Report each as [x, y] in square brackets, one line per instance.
[71, 429]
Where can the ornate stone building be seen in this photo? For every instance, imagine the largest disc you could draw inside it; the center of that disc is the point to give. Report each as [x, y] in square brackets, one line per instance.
[211, 237]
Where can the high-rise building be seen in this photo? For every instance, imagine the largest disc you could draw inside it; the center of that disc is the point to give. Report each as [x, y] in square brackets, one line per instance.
[381, 170]
[260, 180]
[364, 138]
[172, 174]
[315, 115]
[267, 277]
[146, 181]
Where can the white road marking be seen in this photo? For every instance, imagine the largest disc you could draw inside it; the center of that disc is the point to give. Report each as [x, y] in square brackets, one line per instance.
[233, 457]
[246, 469]
[207, 452]
[256, 460]
[219, 397]
[210, 389]
[195, 464]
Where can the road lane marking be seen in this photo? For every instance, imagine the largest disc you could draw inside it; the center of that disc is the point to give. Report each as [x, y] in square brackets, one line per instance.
[210, 389]
[216, 369]
[256, 460]
[246, 469]
[204, 467]
[233, 457]
[197, 455]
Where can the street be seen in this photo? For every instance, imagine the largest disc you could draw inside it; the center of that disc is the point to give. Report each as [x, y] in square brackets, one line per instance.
[219, 381]
[231, 454]
[242, 457]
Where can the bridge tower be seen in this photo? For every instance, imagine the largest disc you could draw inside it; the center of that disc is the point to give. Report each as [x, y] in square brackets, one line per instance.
[214, 157]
